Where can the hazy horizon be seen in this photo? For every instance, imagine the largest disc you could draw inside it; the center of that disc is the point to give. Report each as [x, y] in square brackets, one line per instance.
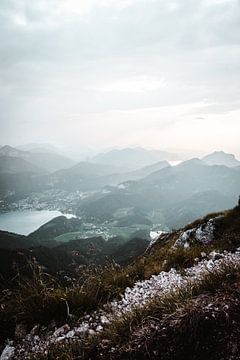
[110, 73]
[77, 153]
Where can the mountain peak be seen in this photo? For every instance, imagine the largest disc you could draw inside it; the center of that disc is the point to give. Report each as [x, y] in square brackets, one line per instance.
[191, 162]
[133, 158]
[221, 158]
[7, 148]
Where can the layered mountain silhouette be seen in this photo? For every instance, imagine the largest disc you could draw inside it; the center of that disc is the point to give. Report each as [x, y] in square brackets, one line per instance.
[176, 191]
[47, 161]
[14, 165]
[133, 158]
[221, 158]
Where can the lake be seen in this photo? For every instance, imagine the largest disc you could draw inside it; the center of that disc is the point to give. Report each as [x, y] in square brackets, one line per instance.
[25, 222]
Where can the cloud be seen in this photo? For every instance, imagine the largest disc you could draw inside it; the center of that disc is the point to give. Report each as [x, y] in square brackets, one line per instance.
[131, 85]
[102, 58]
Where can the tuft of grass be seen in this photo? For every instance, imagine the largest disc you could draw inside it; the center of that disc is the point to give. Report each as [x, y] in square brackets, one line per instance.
[173, 326]
[119, 332]
[42, 299]
[35, 300]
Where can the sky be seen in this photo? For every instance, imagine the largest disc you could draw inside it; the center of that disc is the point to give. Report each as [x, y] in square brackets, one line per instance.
[115, 73]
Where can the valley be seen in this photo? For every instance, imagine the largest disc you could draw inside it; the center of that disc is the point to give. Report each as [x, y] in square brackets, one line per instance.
[113, 201]
[100, 241]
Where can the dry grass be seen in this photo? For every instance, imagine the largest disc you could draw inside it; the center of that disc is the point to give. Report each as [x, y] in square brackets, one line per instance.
[174, 325]
[42, 299]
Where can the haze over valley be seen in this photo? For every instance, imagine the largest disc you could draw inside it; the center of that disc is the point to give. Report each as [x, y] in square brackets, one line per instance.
[118, 192]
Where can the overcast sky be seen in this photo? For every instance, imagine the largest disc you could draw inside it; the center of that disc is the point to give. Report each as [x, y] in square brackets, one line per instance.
[100, 73]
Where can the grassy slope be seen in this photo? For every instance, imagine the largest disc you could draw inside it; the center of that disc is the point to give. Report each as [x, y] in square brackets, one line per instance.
[42, 300]
[200, 321]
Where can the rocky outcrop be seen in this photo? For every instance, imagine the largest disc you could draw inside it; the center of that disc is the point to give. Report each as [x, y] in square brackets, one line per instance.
[203, 234]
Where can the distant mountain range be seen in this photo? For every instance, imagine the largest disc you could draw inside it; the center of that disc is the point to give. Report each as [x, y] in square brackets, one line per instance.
[170, 195]
[44, 161]
[133, 158]
[36, 147]
[14, 165]
[221, 158]
[92, 176]
[146, 170]
[180, 193]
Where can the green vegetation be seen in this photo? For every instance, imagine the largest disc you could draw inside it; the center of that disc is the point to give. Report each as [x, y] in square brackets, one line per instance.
[106, 231]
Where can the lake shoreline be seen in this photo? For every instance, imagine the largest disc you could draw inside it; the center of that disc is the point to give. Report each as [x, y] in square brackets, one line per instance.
[26, 221]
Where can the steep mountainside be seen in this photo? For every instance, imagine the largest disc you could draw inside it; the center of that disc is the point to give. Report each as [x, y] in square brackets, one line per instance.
[83, 176]
[17, 186]
[194, 206]
[147, 170]
[60, 260]
[14, 165]
[179, 300]
[182, 187]
[92, 176]
[56, 227]
[10, 240]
